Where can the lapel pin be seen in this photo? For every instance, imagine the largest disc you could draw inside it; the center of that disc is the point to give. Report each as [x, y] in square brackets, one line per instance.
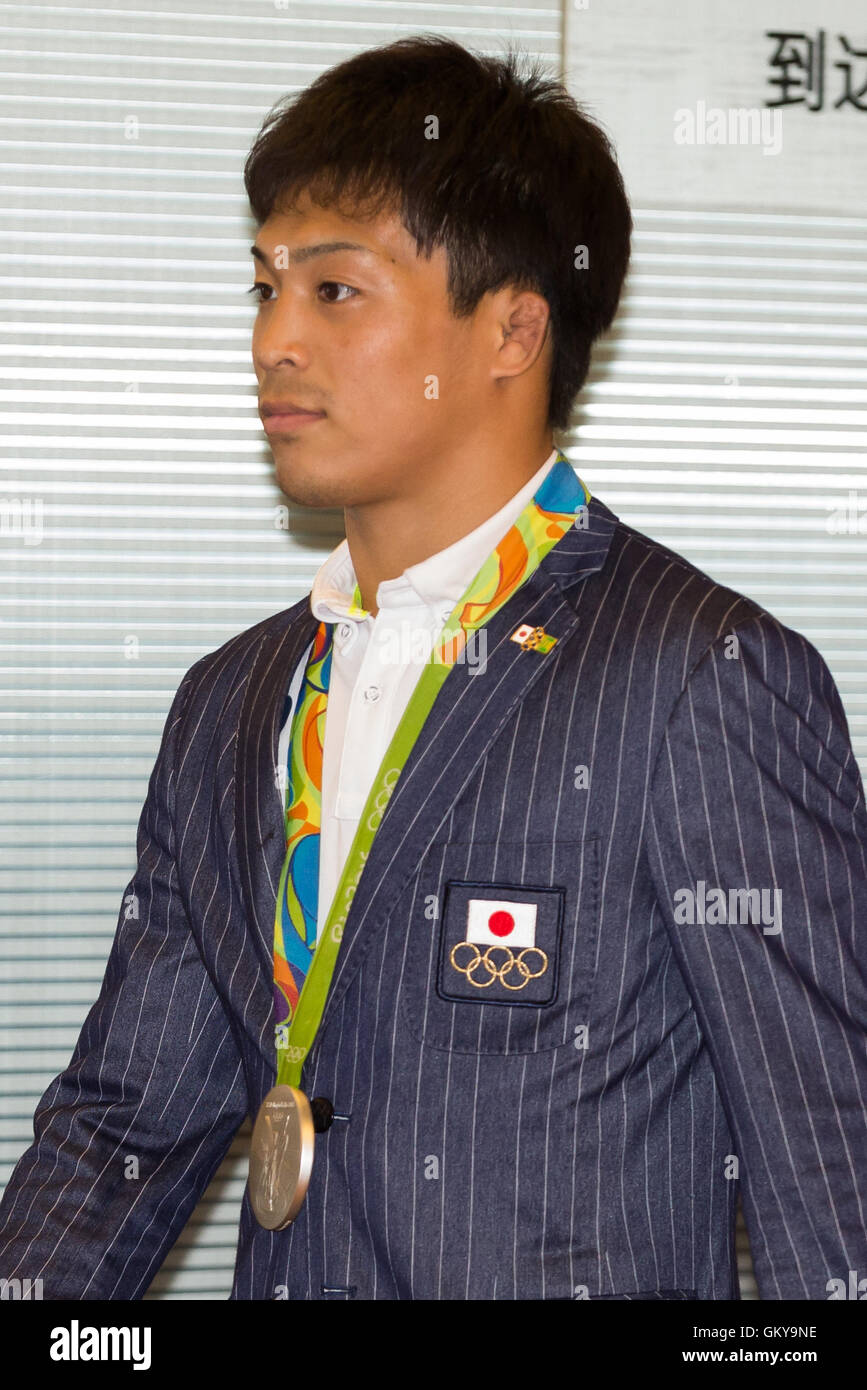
[534, 639]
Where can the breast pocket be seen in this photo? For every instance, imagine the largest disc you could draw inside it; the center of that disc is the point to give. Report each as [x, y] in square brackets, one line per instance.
[501, 945]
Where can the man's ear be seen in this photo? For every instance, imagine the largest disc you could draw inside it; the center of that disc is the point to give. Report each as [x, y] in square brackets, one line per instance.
[521, 321]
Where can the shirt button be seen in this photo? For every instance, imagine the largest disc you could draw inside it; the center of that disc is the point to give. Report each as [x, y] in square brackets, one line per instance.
[372, 694]
[346, 636]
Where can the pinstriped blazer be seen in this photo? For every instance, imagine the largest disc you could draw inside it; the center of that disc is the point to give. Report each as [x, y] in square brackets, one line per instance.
[677, 750]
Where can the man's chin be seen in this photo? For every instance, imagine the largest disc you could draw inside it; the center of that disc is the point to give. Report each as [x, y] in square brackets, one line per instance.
[310, 485]
[312, 493]
[330, 477]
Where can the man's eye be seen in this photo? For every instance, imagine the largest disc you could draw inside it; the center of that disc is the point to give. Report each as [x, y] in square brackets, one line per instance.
[259, 285]
[337, 285]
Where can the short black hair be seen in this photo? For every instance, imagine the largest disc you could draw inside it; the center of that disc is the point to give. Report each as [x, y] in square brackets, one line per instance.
[518, 180]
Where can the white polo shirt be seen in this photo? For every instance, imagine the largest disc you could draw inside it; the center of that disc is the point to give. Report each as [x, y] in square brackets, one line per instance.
[375, 664]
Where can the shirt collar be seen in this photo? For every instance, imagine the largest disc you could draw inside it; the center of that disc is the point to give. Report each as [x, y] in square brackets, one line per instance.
[438, 581]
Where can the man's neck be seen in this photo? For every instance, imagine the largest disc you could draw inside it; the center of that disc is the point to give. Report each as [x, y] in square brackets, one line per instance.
[386, 537]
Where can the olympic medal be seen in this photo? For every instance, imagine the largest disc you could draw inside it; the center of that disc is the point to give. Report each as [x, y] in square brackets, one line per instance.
[281, 1157]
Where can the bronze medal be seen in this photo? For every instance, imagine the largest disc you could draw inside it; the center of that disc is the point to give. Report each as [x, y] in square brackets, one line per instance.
[281, 1157]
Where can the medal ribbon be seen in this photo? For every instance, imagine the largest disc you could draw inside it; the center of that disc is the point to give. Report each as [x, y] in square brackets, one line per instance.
[303, 967]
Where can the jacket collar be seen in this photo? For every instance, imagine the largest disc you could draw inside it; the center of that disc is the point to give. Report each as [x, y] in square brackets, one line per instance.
[438, 581]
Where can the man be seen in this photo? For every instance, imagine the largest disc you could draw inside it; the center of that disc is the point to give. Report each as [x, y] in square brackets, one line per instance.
[594, 904]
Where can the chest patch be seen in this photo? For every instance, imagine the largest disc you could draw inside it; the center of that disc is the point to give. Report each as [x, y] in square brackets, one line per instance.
[500, 944]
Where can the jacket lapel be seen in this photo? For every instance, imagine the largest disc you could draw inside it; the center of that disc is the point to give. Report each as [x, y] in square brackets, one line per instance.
[259, 824]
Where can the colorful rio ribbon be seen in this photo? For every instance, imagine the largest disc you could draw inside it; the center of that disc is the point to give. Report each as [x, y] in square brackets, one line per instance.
[295, 925]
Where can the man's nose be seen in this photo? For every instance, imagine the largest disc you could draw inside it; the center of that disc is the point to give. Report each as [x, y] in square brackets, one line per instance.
[283, 335]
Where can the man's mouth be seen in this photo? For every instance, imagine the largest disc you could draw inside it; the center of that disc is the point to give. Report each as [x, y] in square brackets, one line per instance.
[279, 416]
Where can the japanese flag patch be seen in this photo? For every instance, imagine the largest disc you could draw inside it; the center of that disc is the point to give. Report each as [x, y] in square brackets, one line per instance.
[500, 943]
[501, 923]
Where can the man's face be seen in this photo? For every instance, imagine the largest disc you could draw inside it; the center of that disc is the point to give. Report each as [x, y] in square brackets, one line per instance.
[366, 337]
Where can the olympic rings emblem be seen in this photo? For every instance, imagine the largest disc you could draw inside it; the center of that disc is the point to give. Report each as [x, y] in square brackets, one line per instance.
[513, 964]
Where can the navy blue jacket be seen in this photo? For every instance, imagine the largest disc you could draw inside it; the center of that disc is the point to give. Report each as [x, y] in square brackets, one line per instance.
[670, 797]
